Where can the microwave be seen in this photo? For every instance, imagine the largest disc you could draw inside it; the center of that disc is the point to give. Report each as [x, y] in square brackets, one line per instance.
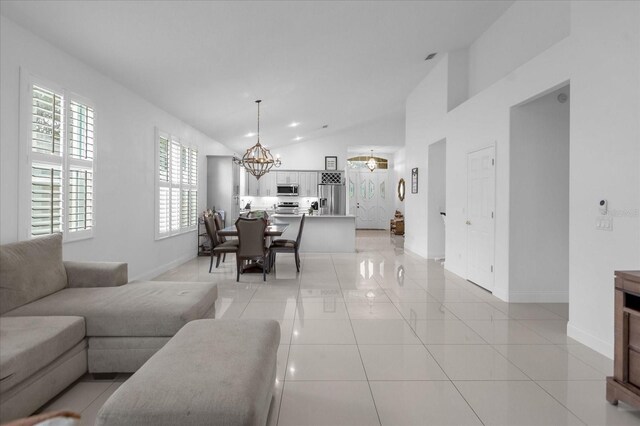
[287, 190]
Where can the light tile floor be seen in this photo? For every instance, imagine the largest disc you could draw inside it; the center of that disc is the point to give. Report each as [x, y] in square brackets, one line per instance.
[384, 337]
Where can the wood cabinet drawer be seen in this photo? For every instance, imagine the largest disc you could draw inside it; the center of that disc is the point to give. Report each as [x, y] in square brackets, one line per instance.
[634, 367]
[634, 332]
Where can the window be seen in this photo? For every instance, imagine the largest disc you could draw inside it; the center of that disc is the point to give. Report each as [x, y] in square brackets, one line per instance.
[59, 146]
[177, 196]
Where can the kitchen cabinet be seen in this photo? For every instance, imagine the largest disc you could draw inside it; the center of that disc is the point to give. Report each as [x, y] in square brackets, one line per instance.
[264, 187]
[286, 178]
[308, 184]
[252, 185]
[267, 186]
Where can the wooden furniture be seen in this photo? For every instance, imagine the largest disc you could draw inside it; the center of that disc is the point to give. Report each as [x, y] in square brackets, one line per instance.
[288, 246]
[204, 243]
[220, 247]
[252, 247]
[274, 230]
[625, 383]
[396, 225]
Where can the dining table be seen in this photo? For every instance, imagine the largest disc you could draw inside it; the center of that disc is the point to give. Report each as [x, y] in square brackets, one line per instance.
[272, 230]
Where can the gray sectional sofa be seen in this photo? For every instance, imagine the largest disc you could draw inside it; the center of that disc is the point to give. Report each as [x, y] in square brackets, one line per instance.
[60, 319]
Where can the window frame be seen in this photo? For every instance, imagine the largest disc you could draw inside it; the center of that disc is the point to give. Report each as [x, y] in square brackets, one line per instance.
[65, 162]
[179, 186]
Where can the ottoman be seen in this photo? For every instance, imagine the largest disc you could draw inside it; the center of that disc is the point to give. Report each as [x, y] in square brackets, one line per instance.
[210, 372]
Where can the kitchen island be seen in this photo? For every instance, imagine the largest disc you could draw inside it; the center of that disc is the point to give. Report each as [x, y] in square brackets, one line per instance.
[321, 233]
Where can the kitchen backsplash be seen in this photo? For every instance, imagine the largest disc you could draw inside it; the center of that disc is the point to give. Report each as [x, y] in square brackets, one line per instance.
[267, 203]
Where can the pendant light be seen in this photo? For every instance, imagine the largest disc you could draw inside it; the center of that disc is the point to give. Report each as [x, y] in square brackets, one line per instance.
[371, 163]
[258, 159]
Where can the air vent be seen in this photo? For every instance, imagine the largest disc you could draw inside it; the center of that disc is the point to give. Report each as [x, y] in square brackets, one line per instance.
[331, 178]
[430, 56]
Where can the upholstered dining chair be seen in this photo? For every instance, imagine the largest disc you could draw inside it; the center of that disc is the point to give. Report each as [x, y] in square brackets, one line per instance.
[218, 248]
[251, 244]
[288, 246]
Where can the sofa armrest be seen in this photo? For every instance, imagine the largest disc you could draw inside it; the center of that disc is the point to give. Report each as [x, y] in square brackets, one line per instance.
[96, 274]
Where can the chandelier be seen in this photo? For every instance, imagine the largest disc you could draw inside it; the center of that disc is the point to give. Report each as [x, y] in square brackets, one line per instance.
[371, 162]
[258, 160]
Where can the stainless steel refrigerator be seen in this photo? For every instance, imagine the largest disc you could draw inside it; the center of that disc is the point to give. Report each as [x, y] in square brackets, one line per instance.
[332, 199]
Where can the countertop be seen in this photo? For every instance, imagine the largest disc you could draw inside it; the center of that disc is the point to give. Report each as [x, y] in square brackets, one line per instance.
[313, 216]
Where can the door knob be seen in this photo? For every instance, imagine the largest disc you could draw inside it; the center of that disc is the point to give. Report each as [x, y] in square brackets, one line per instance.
[468, 223]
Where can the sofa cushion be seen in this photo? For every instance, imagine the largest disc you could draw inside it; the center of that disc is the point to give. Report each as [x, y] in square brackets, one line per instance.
[211, 372]
[152, 308]
[31, 343]
[30, 270]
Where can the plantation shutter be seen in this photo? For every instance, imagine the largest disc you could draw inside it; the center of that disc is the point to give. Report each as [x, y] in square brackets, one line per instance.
[80, 133]
[46, 199]
[164, 186]
[47, 118]
[177, 186]
[61, 147]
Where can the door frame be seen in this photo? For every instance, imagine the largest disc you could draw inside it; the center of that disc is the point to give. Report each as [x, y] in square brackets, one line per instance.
[493, 231]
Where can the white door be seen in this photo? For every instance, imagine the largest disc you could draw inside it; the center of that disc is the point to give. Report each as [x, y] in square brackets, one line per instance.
[384, 204]
[480, 216]
[371, 199]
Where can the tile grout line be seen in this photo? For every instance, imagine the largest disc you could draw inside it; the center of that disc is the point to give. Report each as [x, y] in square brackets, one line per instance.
[286, 366]
[449, 378]
[375, 406]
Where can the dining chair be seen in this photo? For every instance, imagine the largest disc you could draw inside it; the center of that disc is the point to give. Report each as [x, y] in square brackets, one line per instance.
[251, 244]
[218, 222]
[218, 248]
[288, 246]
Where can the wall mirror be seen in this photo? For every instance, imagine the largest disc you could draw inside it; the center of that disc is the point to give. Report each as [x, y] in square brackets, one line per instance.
[401, 189]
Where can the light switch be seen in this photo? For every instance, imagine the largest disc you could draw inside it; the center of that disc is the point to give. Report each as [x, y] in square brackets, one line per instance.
[604, 223]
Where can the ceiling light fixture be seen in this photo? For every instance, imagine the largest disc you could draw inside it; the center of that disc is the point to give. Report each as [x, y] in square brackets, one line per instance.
[371, 162]
[249, 135]
[258, 159]
[294, 124]
[297, 138]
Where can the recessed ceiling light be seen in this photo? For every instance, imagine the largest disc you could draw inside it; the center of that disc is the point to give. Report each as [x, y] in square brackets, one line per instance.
[249, 135]
[430, 56]
[297, 138]
[294, 124]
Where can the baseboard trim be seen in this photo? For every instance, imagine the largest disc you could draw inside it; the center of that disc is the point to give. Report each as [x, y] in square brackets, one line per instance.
[539, 297]
[163, 268]
[412, 250]
[588, 339]
[501, 294]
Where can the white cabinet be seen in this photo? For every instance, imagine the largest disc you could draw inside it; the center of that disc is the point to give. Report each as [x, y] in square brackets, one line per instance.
[286, 178]
[308, 184]
[252, 185]
[265, 187]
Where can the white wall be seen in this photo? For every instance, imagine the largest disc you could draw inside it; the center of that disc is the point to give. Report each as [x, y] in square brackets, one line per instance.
[425, 116]
[400, 171]
[309, 154]
[605, 161]
[601, 58]
[458, 78]
[539, 201]
[125, 166]
[522, 32]
[219, 183]
[436, 195]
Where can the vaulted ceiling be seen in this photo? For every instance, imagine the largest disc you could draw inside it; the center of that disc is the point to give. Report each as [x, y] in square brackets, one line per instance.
[313, 63]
